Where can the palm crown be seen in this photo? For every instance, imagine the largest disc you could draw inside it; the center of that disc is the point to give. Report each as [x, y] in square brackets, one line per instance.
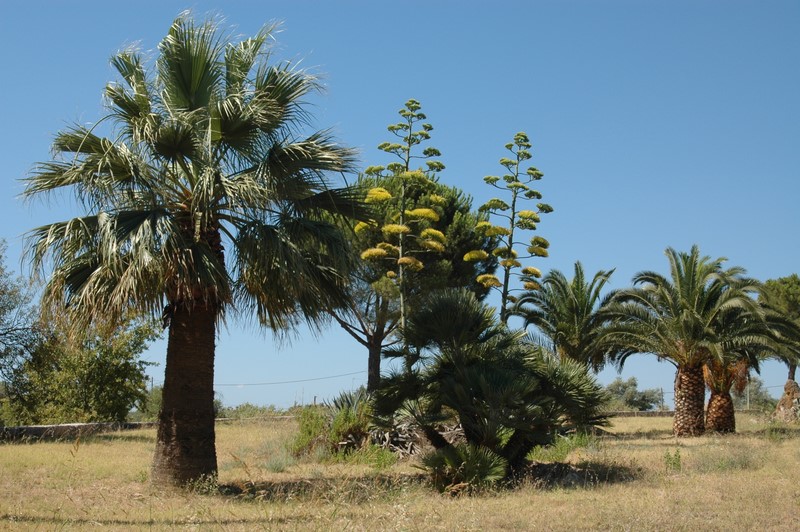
[568, 314]
[204, 156]
[685, 317]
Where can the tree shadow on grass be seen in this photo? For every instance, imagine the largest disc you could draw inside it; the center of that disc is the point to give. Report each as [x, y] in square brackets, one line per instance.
[777, 432]
[343, 489]
[653, 434]
[18, 520]
[586, 474]
[114, 437]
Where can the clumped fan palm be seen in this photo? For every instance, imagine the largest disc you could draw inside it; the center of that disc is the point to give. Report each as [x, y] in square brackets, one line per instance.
[685, 318]
[203, 195]
[568, 314]
[507, 396]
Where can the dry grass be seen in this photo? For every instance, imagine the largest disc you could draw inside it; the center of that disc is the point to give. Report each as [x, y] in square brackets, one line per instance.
[629, 480]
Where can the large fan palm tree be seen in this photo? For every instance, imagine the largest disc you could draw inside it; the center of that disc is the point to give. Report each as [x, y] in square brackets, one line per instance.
[203, 194]
[568, 314]
[684, 318]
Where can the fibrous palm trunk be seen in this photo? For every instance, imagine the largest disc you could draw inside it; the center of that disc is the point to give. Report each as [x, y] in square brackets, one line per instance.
[720, 417]
[690, 392]
[185, 449]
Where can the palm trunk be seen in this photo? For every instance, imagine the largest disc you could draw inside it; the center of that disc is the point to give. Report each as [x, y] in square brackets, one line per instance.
[720, 417]
[690, 393]
[792, 371]
[185, 449]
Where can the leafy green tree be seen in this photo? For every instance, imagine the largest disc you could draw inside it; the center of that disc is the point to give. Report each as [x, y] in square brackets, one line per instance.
[754, 396]
[567, 314]
[625, 395]
[88, 377]
[204, 197]
[415, 244]
[150, 407]
[507, 396]
[516, 185]
[686, 318]
[18, 333]
[782, 295]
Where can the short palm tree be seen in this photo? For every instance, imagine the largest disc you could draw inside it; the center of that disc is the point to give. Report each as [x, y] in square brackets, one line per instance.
[203, 195]
[684, 318]
[568, 314]
[747, 340]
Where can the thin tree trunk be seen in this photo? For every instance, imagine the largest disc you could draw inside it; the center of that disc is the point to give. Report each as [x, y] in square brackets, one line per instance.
[185, 448]
[720, 416]
[792, 371]
[374, 365]
[690, 393]
[437, 440]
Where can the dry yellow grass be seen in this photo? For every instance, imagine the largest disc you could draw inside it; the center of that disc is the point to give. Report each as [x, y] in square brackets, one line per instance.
[746, 481]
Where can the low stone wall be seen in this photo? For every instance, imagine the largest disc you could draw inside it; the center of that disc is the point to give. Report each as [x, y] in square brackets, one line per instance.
[640, 413]
[66, 431]
[665, 413]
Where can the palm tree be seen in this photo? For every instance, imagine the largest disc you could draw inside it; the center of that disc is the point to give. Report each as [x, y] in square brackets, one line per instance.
[203, 195]
[782, 296]
[747, 340]
[568, 315]
[683, 318]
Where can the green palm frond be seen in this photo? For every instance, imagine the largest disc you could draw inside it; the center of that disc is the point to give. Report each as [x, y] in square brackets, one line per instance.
[189, 64]
[568, 314]
[699, 312]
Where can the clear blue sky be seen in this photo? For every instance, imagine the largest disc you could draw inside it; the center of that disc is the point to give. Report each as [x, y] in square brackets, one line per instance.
[655, 123]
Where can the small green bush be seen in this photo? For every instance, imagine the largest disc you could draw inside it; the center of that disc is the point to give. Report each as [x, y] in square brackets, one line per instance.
[313, 431]
[248, 411]
[351, 414]
[672, 461]
[336, 428]
[372, 455]
[561, 447]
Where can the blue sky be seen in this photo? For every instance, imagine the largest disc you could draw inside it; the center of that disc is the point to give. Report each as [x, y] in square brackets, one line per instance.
[655, 123]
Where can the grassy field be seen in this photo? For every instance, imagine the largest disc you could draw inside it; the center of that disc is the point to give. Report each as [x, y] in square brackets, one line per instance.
[636, 478]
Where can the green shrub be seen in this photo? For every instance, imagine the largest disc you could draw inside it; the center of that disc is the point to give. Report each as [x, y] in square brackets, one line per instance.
[672, 461]
[561, 447]
[341, 426]
[313, 431]
[247, 411]
[351, 414]
[372, 455]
